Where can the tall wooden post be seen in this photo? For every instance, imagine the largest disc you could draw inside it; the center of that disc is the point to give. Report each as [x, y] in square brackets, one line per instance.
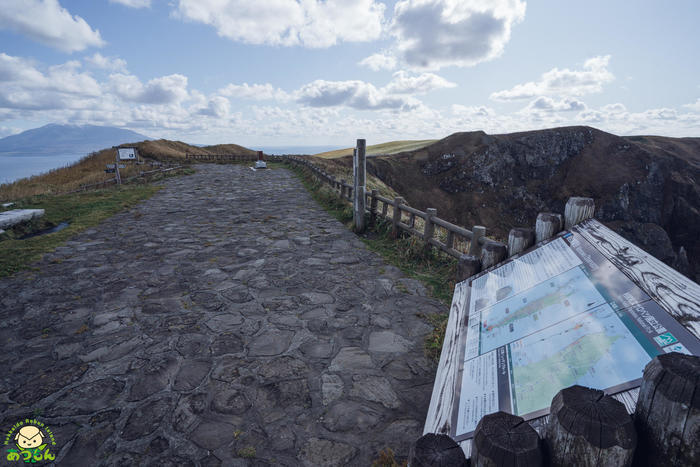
[116, 169]
[359, 168]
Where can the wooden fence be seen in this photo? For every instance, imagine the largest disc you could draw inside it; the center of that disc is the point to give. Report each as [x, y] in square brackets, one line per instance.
[105, 183]
[472, 248]
[221, 157]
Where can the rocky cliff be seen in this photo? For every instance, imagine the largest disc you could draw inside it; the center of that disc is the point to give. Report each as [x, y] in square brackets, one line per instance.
[645, 187]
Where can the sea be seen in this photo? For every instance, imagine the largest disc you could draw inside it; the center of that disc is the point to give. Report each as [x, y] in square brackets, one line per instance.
[15, 167]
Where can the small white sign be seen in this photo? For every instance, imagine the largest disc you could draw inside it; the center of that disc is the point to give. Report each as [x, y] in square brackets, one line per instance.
[127, 154]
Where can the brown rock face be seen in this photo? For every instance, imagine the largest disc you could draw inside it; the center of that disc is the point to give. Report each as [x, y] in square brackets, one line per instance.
[645, 187]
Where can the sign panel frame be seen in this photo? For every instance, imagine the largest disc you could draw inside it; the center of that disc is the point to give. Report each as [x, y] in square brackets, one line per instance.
[532, 287]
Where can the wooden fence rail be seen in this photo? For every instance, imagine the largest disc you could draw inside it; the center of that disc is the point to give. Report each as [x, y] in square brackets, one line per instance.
[474, 251]
[222, 157]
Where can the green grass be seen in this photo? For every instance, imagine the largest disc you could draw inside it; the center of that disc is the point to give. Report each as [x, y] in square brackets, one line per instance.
[434, 269]
[391, 147]
[82, 210]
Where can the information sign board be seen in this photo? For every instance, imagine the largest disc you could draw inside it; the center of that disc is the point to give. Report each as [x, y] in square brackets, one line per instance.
[126, 154]
[559, 315]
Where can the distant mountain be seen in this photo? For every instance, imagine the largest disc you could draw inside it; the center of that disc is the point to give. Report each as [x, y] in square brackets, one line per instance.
[66, 139]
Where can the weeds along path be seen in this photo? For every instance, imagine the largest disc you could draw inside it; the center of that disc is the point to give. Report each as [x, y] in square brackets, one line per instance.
[227, 319]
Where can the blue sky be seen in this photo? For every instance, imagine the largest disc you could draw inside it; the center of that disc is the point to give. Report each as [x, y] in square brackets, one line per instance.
[325, 72]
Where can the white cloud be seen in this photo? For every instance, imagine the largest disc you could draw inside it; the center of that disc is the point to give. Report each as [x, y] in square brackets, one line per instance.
[547, 104]
[254, 92]
[356, 94]
[564, 82]
[133, 3]
[310, 23]
[164, 90]
[694, 106]
[47, 22]
[379, 61]
[403, 83]
[106, 63]
[217, 106]
[431, 34]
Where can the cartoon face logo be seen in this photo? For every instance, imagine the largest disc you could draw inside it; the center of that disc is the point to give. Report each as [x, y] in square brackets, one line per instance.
[29, 437]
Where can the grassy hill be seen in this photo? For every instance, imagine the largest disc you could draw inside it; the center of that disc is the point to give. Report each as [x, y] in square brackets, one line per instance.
[90, 169]
[392, 147]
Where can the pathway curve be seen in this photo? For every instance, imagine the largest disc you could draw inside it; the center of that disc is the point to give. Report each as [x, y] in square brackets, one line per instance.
[228, 320]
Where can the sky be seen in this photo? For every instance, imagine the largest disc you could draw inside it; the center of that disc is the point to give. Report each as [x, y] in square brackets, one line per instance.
[326, 72]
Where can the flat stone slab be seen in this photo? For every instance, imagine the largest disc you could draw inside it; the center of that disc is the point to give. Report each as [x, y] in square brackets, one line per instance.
[15, 216]
[227, 320]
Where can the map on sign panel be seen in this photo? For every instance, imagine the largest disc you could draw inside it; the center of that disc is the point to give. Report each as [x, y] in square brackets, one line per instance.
[559, 315]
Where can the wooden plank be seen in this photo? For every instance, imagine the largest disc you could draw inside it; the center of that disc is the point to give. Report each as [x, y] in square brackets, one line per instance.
[443, 398]
[674, 292]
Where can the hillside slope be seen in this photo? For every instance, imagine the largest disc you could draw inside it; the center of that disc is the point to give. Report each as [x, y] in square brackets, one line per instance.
[645, 187]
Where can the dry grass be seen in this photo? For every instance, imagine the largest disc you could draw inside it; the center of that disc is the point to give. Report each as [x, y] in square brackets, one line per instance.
[391, 147]
[91, 169]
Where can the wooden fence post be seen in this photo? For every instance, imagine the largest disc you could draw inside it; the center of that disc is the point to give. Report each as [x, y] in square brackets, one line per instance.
[586, 427]
[578, 210]
[504, 439]
[436, 450]
[359, 167]
[519, 240]
[478, 231]
[429, 228]
[373, 207]
[668, 411]
[493, 253]
[342, 187]
[467, 266]
[547, 225]
[397, 216]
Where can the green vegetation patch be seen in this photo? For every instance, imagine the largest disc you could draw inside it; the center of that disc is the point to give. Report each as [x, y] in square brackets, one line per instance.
[434, 269]
[80, 210]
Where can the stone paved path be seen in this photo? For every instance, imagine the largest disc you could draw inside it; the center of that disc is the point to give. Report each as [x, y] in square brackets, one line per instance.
[228, 320]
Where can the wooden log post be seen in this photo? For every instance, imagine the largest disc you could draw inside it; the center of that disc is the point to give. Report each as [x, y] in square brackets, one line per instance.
[478, 231]
[436, 450]
[342, 188]
[359, 203]
[519, 240]
[668, 411]
[504, 439]
[578, 210]
[493, 253]
[373, 207]
[396, 230]
[467, 266]
[586, 427]
[547, 226]
[429, 228]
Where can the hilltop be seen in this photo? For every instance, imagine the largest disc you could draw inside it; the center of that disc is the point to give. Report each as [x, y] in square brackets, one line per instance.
[645, 187]
[392, 147]
[90, 169]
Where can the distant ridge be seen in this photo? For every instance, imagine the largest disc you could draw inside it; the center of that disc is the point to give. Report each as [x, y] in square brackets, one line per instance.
[66, 139]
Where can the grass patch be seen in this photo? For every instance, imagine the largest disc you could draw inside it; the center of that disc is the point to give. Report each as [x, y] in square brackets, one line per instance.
[81, 210]
[433, 268]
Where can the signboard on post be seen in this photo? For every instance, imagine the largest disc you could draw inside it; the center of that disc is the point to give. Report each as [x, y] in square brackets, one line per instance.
[126, 154]
[559, 315]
